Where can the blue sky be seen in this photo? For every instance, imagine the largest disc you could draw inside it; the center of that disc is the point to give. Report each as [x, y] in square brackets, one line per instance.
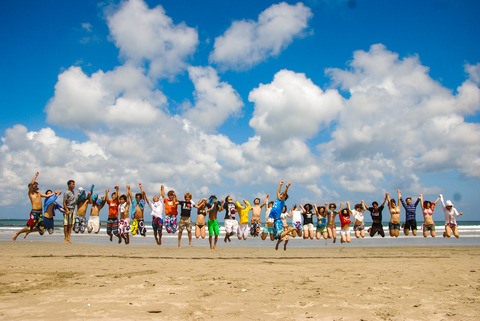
[347, 99]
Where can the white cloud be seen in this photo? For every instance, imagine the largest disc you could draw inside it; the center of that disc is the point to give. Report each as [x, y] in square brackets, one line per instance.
[292, 106]
[398, 121]
[122, 96]
[215, 101]
[247, 43]
[144, 34]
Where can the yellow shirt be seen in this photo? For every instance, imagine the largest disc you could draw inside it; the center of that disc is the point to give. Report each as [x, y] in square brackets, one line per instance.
[243, 212]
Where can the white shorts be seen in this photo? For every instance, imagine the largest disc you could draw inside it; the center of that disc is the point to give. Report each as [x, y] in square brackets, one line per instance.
[231, 226]
[345, 232]
[93, 224]
[242, 230]
[308, 227]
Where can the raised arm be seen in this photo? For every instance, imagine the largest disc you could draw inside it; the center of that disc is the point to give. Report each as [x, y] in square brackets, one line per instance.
[421, 201]
[348, 206]
[286, 188]
[388, 199]
[384, 200]
[265, 201]
[141, 190]
[401, 199]
[162, 191]
[302, 208]
[129, 193]
[117, 193]
[279, 190]
[144, 195]
[30, 187]
[365, 207]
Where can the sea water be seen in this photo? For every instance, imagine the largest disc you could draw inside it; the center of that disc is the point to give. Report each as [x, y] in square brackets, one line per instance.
[469, 235]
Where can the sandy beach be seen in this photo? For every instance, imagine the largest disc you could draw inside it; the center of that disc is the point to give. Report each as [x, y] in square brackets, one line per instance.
[43, 280]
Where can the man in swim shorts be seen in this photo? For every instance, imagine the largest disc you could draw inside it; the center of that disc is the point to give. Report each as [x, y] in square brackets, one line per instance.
[35, 223]
[93, 224]
[80, 223]
[256, 224]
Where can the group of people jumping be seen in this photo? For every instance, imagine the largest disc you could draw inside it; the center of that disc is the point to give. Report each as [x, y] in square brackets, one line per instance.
[126, 215]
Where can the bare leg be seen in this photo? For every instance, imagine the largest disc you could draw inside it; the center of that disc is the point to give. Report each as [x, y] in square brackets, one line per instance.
[190, 238]
[215, 244]
[180, 232]
[23, 230]
[455, 232]
[285, 245]
[278, 243]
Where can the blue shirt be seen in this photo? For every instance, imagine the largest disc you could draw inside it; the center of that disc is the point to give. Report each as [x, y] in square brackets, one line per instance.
[277, 209]
[410, 210]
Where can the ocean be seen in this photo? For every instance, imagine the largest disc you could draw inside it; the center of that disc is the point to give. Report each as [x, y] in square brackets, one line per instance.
[469, 235]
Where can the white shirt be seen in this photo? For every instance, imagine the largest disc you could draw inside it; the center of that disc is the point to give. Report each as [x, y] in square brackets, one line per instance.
[449, 215]
[357, 215]
[296, 216]
[157, 208]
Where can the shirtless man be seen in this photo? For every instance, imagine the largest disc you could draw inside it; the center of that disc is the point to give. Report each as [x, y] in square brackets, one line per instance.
[97, 205]
[256, 212]
[138, 205]
[50, 206]
[213, 205]
[82, 204]
[36, 215]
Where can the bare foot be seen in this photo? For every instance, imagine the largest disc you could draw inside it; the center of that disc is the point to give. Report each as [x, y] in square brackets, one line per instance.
[285, 246]
[191, 244]
[14, 237]
[111, 237]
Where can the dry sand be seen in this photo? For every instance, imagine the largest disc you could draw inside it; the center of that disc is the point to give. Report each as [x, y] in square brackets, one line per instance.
[42, 280]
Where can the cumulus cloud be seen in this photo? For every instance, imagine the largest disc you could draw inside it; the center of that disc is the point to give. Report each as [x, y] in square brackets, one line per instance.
[122, 96]
[246, 43]
[144, 34]
[292, 106]
[399, 121]
[215, 101]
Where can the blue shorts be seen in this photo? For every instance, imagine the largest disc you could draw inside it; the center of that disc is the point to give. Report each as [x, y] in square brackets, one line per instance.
[277, 229]
[48, 224]
[157, 224]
